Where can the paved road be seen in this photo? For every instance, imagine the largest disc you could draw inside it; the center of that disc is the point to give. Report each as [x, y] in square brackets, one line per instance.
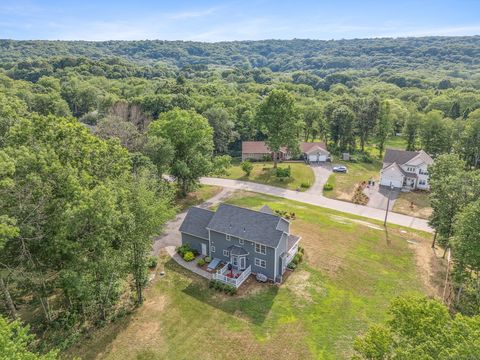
[321, 172]
[319, 200]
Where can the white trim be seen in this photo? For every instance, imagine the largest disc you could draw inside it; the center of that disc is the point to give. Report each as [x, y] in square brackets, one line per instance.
[228, 237]
[260, 252]
[212, 248]
[241, 241]
[226, 253]
[259, 261]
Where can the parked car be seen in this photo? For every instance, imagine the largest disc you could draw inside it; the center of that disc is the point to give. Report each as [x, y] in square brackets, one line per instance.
[340, 169]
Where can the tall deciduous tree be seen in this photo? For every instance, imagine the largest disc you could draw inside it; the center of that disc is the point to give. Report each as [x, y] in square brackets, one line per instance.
[384, 126]
[278, 118]
[15, 341]
[222, 124]
[420, 328]
[191, 138]
[435, 133]
[367, 109]
[411, 129]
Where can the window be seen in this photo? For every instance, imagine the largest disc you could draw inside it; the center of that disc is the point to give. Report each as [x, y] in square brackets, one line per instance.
[212, 248]
[261, 249]
[241, 242]
[422, 182]
[226, 253]
[260, 263]
[228, 237]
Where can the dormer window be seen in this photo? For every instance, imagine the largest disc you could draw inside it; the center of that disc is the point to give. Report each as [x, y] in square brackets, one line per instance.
[227, 236]
[241, 241]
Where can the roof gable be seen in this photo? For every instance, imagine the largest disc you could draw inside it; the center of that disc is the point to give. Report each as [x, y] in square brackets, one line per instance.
[196, 221]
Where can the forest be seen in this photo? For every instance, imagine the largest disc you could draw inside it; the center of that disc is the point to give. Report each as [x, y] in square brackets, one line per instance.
[89, 129]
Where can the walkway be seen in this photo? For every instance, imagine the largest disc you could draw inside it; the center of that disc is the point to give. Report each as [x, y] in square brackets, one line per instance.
[189, 265]
[320, 200]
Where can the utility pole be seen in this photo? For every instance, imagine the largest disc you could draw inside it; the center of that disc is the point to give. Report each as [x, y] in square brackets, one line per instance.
[388, 204]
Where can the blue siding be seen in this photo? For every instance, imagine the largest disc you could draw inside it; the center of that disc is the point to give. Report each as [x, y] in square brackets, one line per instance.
[219, 241]
[194, 241]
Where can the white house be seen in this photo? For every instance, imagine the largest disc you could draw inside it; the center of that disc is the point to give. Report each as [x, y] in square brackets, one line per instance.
[405, 169]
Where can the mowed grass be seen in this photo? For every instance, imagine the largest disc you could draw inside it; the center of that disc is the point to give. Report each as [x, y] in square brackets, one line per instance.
[414, 203]
[204, 192]
[344, 184]
[263, 173]
[350, 273]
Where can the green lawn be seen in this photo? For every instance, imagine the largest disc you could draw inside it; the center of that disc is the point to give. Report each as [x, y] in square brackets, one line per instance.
[414, 203]
[263, 173]
[204, 192]
[344, 184]
[350, 273]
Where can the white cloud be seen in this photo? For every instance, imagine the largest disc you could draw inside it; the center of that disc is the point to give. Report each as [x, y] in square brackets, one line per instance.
[192, 14]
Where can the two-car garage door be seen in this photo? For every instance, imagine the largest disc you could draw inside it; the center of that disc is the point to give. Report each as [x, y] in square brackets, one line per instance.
[386, 181]
[317, 157]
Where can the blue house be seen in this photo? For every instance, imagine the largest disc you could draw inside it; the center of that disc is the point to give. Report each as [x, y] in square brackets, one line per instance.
[245, 241]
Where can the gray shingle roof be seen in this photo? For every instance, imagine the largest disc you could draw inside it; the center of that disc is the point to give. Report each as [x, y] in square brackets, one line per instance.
[196, 221]
[292, 240]
[237, 250]
[398, 156]
[247, 224]
[267, 210]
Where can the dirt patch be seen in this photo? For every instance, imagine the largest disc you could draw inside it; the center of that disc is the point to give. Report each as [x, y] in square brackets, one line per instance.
[298, 283]
[344, 220]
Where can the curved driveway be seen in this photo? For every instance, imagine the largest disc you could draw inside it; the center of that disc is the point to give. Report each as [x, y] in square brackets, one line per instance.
[320, 200]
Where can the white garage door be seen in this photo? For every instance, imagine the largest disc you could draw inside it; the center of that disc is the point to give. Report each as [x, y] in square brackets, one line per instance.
[317, 157]
[387, 181]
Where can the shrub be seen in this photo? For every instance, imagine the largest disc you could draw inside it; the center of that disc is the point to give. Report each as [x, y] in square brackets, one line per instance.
[305, 185]
[292, 266]
[201, 262]
[301, 250]
[182, 250]
[328, 187]
[283, 172]
[211, 284]
[152, 262]
[247, 167]
[207, 259]
[297, 258]
[366, 158]
[230, 289]
[267, 157]
[188, 256]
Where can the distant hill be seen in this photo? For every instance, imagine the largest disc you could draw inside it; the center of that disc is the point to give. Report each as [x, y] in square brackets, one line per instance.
[278, 55]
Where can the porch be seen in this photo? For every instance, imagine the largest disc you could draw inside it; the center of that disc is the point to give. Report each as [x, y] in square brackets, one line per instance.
[229, 274]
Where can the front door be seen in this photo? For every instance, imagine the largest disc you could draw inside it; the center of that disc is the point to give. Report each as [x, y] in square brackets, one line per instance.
[242, 263]
[204, 249]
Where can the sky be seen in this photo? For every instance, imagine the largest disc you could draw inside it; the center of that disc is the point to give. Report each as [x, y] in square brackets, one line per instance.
[212, 21]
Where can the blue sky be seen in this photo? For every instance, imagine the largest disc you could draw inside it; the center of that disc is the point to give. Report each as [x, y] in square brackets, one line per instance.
[204, 20]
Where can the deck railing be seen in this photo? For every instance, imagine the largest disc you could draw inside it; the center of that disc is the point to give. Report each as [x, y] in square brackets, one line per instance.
[220, 276]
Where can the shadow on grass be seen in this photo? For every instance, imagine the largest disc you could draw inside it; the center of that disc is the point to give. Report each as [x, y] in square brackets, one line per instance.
[247, 304]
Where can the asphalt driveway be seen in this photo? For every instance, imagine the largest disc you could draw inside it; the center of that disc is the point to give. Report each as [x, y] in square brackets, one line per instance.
[378, 196]
[322, 172]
